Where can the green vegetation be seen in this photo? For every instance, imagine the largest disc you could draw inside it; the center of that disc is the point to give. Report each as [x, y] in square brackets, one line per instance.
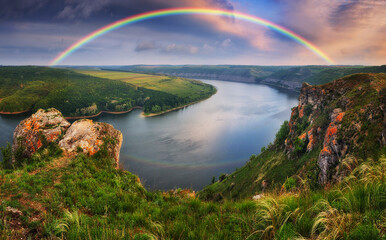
[208, 71]
[287, 156]
[87, 198]
[58, 197]
[287, 77]
[76, 94]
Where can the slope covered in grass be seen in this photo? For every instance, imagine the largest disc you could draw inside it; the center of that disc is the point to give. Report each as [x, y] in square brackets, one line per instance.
[185, 88]
[51, 196]
[335, 121]
[75, 94]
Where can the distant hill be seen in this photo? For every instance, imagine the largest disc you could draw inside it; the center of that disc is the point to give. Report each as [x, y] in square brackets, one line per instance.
[286, 77]
[75, 94]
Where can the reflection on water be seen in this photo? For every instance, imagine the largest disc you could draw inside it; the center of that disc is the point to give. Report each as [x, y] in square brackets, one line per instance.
[185, 148]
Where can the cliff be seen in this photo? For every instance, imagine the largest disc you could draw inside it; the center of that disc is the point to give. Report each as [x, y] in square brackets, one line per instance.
[334, 127]
[344, 117]
[49, 127]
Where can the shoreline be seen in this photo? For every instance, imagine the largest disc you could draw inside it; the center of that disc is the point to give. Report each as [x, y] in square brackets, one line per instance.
[117, 113]
[96, 115]
[14, 113]
[176, 108]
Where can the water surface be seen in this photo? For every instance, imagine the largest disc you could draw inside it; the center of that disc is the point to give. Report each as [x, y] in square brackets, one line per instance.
[186, 148]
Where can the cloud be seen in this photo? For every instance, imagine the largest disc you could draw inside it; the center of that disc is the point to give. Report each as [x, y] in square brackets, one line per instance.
[349, 31]
[82, 8]
[145, 46]
[12, 8]
[226, 43]
[179, 49]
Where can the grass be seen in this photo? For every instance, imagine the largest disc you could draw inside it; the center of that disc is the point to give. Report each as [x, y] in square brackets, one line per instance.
[180, 87]
[51, 196]
[83, 197]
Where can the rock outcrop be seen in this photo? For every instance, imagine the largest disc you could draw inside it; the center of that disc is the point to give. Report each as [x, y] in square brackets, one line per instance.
[46, 126]
[43, 127]
[90, 137]
[331, 117]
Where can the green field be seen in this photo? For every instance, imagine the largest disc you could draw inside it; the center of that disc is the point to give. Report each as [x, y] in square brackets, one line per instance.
[177, 86]
[76, 94]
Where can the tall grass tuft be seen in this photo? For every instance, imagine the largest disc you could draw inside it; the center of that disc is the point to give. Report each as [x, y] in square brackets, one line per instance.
[271, 216]
[331, 223]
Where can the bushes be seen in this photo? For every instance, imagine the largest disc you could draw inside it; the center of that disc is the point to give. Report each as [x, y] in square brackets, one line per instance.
[290, 184]
[281, 135]
[364, 232]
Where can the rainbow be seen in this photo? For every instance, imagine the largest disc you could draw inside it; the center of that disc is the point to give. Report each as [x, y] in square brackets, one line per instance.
[184, 11]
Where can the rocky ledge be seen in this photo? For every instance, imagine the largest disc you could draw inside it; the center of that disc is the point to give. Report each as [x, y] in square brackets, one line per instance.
[47, 126]
[346, 116]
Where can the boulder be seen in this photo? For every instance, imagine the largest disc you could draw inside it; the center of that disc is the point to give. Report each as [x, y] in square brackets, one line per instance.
[43, 126]
[89, 137]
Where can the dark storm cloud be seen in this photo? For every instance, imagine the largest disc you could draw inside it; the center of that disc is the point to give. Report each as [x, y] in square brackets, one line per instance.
[83, 9]
[20, 8]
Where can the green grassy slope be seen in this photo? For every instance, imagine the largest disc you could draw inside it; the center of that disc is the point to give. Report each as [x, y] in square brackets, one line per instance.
[185, 88]
[362, 98]
[76, 94]
[51, 196]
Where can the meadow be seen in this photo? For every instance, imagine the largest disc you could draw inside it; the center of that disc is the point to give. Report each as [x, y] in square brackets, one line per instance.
[180, 87]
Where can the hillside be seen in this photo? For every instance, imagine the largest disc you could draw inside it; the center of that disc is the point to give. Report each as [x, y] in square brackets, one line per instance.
[29, 88]
[334, 128]
[285, 77]
[65, 191]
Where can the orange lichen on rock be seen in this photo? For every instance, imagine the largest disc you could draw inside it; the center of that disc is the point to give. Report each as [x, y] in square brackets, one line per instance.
[89, 136]
[331, 130]
[30, 132]
[301, 111]
[303, 136]
[326, 150]
[39, 143]
[340, 117]
[312, 140]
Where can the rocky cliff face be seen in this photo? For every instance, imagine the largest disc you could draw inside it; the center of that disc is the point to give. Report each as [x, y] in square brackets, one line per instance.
[43, 127]
[346, 116]
[90, 137]
[47, 126]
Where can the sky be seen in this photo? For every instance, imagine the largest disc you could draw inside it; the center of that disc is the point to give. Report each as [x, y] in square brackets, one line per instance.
[351, 32]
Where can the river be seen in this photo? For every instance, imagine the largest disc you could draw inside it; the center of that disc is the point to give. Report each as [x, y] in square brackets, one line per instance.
[187, 147]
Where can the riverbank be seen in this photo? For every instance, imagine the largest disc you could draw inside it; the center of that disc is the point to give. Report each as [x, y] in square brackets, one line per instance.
[14, 113]
[176, 108]
[96, 115]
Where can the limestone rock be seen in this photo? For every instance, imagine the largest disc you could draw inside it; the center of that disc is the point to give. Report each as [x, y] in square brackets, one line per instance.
[31, 133]
[89, 137]
[332, 150]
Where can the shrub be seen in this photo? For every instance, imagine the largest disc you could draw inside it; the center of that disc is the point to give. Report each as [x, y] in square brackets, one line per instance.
[222, 177]
[364, 232]
[7, 155]
[290, 183]
[282, 134]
